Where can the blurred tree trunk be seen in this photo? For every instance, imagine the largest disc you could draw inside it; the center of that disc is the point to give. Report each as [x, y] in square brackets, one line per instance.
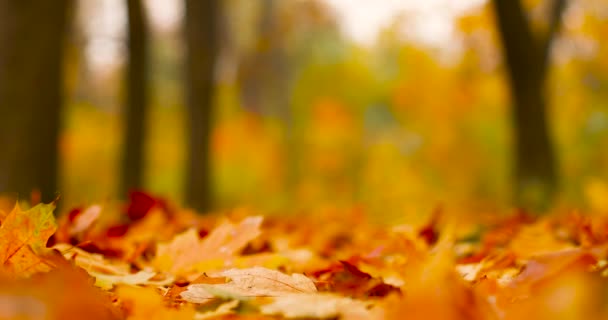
[201, 55]
[32, 35]
[136, 98]
[265, 81]
[527, 61]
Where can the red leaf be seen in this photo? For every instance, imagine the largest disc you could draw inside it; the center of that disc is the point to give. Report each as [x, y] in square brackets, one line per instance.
[140, 204]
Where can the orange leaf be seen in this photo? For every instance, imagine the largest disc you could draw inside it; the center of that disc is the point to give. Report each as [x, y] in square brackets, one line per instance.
[186, 250]
[23, 236]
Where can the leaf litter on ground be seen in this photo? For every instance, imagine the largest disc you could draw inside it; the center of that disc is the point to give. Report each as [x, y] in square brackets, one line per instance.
[154, 261]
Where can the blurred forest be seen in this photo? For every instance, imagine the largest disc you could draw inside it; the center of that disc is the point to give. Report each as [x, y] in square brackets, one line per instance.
[289, 105]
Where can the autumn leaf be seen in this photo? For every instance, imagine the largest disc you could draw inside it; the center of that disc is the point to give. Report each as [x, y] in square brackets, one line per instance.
[139, 205]
[187, 252]
[226, 274]
[23, 236]
[111, 272]
[248, 283]
[85, 219]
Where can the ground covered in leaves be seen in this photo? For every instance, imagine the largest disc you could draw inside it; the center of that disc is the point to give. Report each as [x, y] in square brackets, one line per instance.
[149, 260]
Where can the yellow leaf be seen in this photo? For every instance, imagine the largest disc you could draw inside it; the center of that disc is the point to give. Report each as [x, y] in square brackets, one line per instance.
[23, 235]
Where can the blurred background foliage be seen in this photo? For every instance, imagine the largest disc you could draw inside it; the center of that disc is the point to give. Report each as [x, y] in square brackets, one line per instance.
[318, 105]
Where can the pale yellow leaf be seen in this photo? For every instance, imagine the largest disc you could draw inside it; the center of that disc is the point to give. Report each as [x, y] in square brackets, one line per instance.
[86, 219]
[252, 282]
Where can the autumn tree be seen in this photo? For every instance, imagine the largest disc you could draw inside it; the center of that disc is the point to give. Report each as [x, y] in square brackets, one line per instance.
[527, 57]
[32, 37]
[201, 39]
[136, 98]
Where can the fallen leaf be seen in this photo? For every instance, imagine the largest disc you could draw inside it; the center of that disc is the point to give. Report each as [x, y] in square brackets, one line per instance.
[248, 283]
[187, 252]
[23, 236]
[85, 219]
[108, 272]
[140, 204]
[92, 262]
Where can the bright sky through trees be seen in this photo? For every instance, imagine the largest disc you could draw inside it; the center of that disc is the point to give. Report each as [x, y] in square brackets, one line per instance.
[428, 22]
[431, 19]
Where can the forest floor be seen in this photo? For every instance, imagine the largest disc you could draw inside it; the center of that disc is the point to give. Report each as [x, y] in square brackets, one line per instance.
[150, 260]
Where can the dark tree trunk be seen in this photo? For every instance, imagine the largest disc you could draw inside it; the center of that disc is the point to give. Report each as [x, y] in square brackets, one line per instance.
[31, 94]
[527, 60]
[136, 98]
[201, 54]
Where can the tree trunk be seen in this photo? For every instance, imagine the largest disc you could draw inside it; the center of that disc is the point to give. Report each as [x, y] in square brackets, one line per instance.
[527, 60]
[201, 55]
[136, 98]
[31, 94]
[265, 83]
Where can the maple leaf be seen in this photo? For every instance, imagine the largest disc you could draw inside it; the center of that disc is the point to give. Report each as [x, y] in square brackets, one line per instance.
[251, 282]
[23, 236]
[186, 252]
